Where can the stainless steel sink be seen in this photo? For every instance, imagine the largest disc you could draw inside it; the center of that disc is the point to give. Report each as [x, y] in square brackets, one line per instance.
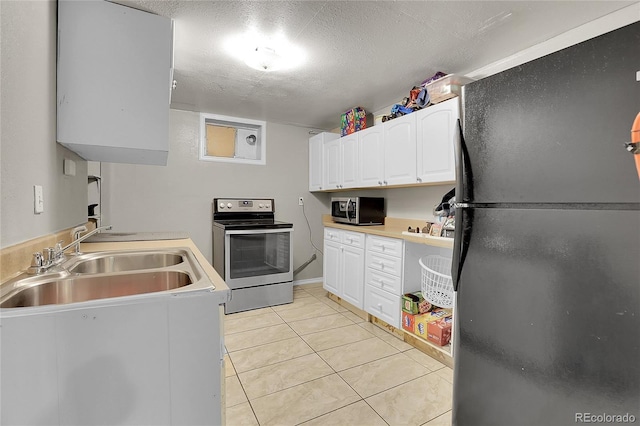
[108, 274]
[82, 289]
[94, 263]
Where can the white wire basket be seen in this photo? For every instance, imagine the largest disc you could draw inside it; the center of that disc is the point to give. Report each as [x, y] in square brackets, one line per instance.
[437, 286]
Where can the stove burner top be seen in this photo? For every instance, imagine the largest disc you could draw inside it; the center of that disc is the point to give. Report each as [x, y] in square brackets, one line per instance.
[251, 223]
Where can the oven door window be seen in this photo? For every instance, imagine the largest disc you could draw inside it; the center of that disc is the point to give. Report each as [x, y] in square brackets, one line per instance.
[259, 254]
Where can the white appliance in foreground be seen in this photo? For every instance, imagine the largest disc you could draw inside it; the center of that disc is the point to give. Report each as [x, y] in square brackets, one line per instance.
[153, 360]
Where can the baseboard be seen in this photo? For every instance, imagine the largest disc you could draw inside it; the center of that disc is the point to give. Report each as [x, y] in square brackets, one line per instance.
[308, 281]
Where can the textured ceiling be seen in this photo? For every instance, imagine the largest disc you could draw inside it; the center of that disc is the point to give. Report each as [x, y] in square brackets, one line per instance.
[359, 53]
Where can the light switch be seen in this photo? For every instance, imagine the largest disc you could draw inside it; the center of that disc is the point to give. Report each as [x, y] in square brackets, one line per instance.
[69, 167]
[38, 199]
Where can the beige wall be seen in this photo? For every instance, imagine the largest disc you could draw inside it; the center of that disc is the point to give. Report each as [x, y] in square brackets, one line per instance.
[178, 197]
[29, 153]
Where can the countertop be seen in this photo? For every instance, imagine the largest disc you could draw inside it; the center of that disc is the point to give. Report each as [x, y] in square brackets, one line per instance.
[136, 236]
[218, 283]
[392, 228]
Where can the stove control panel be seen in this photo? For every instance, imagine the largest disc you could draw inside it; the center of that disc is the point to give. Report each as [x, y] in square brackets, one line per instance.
[244, 205]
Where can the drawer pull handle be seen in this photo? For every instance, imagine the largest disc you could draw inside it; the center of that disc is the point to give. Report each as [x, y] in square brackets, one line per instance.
[380, 307]
[379, 281]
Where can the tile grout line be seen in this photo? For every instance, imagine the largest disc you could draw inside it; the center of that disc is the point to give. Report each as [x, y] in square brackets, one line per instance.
[298, 335]
[263, 344]
[333, 370]
[347, 383]
[290, 387]
[332, 411]
[356, 392]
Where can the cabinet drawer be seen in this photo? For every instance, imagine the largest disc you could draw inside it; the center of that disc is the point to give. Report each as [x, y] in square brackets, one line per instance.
[383, 263]
[388, 246]
[389, 283]
[383, 305]
[332, 234]
[354, 239]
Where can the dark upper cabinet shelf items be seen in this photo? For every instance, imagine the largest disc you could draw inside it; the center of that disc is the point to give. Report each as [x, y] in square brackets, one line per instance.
[114, 78]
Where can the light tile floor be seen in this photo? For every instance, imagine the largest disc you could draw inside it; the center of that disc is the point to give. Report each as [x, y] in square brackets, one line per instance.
[313, 362]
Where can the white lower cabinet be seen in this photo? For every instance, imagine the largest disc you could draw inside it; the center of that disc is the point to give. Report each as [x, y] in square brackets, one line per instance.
[344, 265]
[383, 288]
[353, 275]
[332, 259]
[125, 361]
[383, 305]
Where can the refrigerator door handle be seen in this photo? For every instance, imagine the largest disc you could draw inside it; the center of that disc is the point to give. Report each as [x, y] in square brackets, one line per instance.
[462, 235]
[464, 177]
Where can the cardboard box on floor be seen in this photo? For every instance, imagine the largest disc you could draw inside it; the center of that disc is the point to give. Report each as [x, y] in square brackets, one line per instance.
[439, 331]
[423, 320]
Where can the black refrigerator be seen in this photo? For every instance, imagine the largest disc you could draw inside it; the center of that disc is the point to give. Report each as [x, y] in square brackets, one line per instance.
[546, 262]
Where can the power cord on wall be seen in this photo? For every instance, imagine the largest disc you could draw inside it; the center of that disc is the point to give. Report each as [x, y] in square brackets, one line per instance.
[313, 256]
[309, 226]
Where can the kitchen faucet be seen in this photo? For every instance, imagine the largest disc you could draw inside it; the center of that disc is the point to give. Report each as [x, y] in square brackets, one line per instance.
[52, 256]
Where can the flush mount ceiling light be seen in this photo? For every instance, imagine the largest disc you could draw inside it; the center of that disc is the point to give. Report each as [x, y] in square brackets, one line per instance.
[265, 53]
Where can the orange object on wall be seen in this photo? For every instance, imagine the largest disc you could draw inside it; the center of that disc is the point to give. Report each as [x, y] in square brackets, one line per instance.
[635, 138]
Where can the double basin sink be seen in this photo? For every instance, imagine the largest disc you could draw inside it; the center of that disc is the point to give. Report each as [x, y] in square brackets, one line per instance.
[109, 274]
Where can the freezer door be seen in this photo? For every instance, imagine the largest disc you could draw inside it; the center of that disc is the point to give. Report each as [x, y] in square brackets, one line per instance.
[553, 130]
[547, 319]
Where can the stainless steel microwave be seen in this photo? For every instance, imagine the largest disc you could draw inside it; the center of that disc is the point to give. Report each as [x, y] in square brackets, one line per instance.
[358, 210]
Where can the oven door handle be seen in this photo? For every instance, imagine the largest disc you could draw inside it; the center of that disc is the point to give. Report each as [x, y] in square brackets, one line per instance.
[259, 231]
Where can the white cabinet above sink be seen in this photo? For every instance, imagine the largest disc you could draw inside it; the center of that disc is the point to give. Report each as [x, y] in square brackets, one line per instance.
[113, 82]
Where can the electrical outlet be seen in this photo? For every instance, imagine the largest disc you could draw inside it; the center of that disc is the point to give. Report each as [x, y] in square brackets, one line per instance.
[300, 201]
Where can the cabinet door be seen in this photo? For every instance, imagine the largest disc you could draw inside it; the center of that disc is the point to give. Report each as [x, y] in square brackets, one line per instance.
[113, 80]
[353, 276]
[436, 130]
[315, 163]
[110, 356]
[400, 150]
[371, 155]
[331, 268]
[349, 153]
[332, 176]
[29, 379]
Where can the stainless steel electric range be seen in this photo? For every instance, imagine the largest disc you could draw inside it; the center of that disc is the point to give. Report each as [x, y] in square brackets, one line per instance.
[252, 252]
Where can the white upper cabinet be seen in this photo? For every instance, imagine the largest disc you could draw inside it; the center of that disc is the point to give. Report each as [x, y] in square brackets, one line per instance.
[349, 160]
[340, 162]
[114, 79]
[316, 159]
[371, 153]
[435, 151]
[343, 268]
[400, 150]
[332, 175]
[414, 149]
